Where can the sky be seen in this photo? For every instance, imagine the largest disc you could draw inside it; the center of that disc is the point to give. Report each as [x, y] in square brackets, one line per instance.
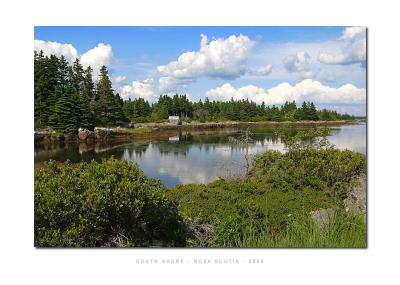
[326, 65]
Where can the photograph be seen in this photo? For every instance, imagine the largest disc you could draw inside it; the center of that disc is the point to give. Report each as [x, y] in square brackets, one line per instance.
[200, 137]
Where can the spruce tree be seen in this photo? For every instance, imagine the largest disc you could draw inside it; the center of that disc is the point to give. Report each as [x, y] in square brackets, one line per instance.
[39, 99]
[78, 79]
[85, 117]
[64, 117]
[107, 107]
[89, 89]
[312, 112]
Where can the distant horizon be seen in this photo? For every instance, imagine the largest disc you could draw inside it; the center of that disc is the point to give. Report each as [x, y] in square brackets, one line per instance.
[324, 65]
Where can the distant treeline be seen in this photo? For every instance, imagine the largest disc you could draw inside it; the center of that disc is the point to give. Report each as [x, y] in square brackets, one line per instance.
[66, 98]
[139, 110]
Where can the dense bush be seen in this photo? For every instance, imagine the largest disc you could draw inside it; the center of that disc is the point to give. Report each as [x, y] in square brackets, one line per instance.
[237, 207]
[272, 205]
[102, 204]
[326, 169]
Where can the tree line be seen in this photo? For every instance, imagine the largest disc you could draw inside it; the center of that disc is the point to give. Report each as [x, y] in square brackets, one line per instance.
[66, 98]
[139, 110]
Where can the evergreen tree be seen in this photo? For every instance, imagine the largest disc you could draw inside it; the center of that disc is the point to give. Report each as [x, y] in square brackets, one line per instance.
[39, 98]
[312, 112]
[85, 116]
[108, 107]
[64, 117]
[89, 89]
[65, 98]
[78, 79]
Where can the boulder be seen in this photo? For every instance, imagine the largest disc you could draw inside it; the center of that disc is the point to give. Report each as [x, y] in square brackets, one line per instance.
[101, 133]
[356, 200]
[84, 134]
[322, 217]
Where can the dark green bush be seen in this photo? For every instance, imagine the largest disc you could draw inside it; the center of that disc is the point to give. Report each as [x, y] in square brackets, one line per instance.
[340, 189]
[236, 207]
[282, 188]
[102, 204]
[317, 169]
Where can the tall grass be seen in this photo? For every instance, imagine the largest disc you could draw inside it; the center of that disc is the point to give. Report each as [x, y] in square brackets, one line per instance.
[342, 231]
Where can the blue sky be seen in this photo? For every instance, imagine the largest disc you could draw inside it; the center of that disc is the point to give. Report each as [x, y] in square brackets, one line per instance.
[264, 64]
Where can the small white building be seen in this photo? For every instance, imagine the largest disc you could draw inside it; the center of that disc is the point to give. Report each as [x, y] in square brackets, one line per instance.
[174, 120]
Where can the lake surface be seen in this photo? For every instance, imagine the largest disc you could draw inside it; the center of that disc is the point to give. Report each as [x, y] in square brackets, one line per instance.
[193, 156]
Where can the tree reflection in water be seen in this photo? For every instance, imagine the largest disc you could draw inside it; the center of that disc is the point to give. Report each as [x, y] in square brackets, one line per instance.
[191, 157]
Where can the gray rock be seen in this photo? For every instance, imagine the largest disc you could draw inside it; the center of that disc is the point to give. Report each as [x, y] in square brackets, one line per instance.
[356, 200]
[322, 217]
[84, 134]
[101, 133]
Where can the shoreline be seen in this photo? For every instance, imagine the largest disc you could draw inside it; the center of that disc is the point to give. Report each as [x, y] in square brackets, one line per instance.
[159, 130]
[210, 125]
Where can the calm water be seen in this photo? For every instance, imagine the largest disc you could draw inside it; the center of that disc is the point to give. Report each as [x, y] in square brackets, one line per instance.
[192, 157]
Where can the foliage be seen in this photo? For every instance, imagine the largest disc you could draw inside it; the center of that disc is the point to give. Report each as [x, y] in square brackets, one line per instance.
[113, 204]
[102, 204]
[137, 110]
[311, 161]
[240, 110]
[237, 207]
[109, 106]
[66, 98]
[270, 208]
[310, 138]
[173, 106]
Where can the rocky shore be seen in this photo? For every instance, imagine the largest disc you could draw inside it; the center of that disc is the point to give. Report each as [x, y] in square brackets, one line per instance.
[150, 130]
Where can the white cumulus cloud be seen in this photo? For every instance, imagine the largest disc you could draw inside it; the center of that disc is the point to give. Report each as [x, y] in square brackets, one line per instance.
[306, 90]
[58, 49]
[96, 57]
[353, 51]
[220, 58]
[140, 88]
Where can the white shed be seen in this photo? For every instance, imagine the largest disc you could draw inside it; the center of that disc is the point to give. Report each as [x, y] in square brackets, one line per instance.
[174, 120]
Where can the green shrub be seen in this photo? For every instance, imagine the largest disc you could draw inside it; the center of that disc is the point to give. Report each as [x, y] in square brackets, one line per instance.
[141, 119]
[272, 205]
[236, 207]
[318, 169]
[102, 204]
[340, 189]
